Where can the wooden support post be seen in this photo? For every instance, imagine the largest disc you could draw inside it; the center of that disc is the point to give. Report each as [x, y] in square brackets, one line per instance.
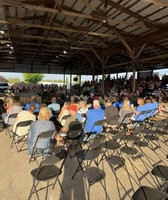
[126, 75]
[93, 69]
[133, 76]
[70, 80]
[64, 76]
[102, 79]
[151, 73]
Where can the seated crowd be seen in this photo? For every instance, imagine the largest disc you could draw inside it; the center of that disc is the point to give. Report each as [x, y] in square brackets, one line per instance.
[83, 110]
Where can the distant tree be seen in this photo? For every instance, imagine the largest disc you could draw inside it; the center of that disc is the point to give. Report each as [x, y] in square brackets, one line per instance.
[14, 80]
[32, 78]
[3, 79]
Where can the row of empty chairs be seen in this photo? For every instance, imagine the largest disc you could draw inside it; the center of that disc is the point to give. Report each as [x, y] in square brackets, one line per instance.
[116, 141]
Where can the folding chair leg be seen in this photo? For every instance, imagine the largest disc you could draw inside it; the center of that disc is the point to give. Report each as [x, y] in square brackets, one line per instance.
[61, 188]
[78, 168]
[54, 183]
[33, 190]
[47, 190]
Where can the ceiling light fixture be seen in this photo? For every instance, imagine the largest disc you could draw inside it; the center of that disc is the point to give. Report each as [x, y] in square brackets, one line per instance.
[2, 32]
[64, 52]
[11, 47]
[8, 45]
[10, 52]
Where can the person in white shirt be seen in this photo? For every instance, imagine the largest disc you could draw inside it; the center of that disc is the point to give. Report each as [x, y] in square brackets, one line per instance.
[24, 116]
[82, 109]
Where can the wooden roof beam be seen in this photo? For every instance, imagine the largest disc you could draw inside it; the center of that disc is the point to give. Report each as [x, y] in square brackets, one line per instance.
[159, 2]
[54, 28]
[131, 53]
[140, 51]
[148, 23]
[141, 60]
[96, 54]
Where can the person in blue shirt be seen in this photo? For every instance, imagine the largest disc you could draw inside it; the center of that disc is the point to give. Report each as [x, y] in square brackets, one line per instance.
[148, 106]
[139, 109]
[116, 103]
[92, 116]
[155, 105]
[54, 106]
[32, 101]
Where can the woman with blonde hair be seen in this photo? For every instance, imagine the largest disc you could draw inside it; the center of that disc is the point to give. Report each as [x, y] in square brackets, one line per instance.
[12, 107]
[125, 109]
[43, 124]
[9, 104]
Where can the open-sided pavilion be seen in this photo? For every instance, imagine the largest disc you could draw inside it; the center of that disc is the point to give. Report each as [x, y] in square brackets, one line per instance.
[83, 37]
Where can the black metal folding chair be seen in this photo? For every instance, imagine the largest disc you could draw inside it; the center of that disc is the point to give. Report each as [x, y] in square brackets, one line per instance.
[109, 126]
[151, 135]
[74, 133]
[148, 193]
[127, 117]
[97, 123]
[161, 171]
[11, 117]
[16, 139]
[47, 171]
[47, 135]
[89, 154]
[65, 118]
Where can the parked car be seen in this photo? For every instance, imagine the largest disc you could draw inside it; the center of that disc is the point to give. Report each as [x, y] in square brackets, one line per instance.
[4, 86]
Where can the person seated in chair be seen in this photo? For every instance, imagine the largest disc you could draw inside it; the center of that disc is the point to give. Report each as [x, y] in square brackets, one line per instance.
[137, 117]
[82, 109]
[33, 101]
[41, 125]
[126, 108]
[110, 111]
[92, 116]
[24, 115]
[72, 111]
[12, 109]
[54, 106]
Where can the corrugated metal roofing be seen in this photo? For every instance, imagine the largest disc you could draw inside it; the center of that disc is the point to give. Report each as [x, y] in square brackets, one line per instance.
[77, 25]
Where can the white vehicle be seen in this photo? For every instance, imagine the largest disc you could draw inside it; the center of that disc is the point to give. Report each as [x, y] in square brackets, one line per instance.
[4, 86]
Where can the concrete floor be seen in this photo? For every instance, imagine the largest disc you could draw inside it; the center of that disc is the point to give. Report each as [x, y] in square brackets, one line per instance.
[16, 180]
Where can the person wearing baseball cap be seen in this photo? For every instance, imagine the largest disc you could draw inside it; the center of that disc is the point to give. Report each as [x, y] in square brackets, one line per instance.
[74, 118]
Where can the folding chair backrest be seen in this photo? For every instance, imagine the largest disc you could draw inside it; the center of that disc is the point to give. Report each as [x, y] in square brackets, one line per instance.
[75, 130]
[12, 116]
[113, 120]
[99, 122]
[141, 116]
[154, 111]
[23, 124]
[96, 142]
[54, 159]
[149, 113]
[46, 134]
[65, 117]
[127, 116]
